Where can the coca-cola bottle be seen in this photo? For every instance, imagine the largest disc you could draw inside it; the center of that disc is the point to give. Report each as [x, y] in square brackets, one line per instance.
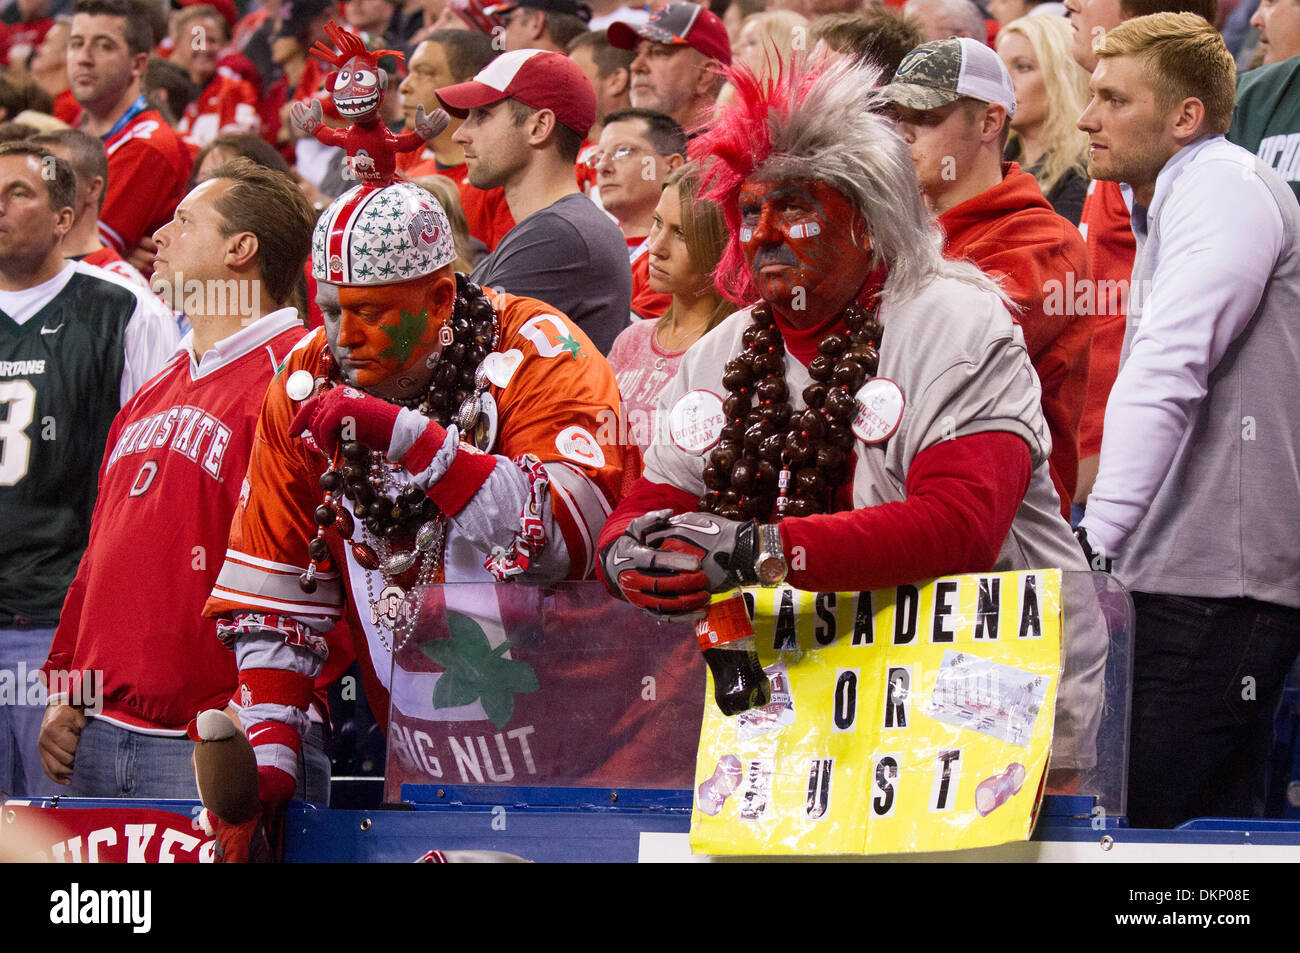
[726, 637]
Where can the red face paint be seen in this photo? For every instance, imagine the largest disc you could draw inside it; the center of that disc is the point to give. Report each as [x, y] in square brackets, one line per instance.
[382, 331]
[798, 240]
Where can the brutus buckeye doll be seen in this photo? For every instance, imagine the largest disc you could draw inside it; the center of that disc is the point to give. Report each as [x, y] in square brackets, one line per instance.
[357, 91]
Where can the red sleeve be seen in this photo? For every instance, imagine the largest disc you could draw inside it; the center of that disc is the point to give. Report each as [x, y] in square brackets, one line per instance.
[962, 496]
[144, 188]
[643, 497]
[1048, 253]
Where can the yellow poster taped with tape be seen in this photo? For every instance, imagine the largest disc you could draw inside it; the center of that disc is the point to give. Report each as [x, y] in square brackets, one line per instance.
[911, 719]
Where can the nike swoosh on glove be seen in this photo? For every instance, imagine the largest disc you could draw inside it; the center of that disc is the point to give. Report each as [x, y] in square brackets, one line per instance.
[726, 549]
[660, 581]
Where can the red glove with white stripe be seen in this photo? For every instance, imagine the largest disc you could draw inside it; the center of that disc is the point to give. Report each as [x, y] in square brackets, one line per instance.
[347, 414]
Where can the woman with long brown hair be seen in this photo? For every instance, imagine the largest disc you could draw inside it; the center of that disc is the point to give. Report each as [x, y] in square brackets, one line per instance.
[686, 241]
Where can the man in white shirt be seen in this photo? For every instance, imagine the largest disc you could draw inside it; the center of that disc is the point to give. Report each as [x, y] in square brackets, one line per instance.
[1196, 500]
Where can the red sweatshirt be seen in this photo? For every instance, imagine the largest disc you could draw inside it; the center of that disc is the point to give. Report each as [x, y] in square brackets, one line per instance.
[1108, 231]
[1011, 232]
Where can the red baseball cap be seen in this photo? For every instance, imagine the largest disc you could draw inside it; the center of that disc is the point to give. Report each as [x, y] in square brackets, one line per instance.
[476, 15]
[537, 78]
[678, 24]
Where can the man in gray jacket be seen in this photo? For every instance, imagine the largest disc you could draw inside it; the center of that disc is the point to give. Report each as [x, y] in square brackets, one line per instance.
[1197, 498]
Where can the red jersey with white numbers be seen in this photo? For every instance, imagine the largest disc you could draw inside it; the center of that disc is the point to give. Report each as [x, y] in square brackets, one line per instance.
[168, 485]
[148, 171]
[227, 105]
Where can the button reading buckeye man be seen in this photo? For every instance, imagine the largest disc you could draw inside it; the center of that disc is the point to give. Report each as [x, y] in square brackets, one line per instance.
[880, 409]
[695, 423]
[299, 385]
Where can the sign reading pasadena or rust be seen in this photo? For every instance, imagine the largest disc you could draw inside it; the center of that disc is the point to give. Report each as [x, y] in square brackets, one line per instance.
[911, 719]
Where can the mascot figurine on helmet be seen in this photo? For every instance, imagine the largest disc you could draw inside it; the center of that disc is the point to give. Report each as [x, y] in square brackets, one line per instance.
[357, 91]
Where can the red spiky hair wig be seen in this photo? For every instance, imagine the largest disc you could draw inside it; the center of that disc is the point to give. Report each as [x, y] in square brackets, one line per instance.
[817, 121]
[731, 149]
[350, 45]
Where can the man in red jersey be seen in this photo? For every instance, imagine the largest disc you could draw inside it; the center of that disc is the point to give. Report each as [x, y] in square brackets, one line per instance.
[228, 102]
[169, 483]
[148, 164]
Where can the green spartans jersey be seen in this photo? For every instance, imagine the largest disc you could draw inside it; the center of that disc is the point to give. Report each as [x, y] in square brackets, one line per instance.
[60, 379]
[1267, 118]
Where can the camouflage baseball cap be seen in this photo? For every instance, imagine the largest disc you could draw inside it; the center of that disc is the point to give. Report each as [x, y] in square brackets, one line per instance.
[938, 73]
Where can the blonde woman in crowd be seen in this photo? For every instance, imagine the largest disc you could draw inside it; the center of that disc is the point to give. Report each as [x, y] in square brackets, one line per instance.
[1051, 91]
[766, 42]
[686, 241]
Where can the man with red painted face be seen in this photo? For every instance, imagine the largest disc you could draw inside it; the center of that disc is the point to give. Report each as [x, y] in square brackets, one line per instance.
[879, 421]
[431, 432]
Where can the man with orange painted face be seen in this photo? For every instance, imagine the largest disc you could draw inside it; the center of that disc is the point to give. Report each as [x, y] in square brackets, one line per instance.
[432, 431]
[874, 420]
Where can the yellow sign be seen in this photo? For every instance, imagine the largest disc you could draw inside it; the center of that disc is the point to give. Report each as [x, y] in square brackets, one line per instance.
[912, 719]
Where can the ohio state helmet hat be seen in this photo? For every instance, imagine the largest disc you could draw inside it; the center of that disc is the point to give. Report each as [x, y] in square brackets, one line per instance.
[380, 236]
[537, 78]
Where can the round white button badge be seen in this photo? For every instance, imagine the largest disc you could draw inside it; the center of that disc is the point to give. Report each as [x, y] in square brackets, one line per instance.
[695, 423]
[299, 385]
[880, 410]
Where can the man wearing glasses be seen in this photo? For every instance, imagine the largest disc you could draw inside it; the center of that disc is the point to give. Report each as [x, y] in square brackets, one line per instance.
[637, 149]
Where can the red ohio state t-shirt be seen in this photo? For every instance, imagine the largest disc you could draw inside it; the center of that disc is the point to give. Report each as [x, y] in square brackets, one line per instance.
[148, 170]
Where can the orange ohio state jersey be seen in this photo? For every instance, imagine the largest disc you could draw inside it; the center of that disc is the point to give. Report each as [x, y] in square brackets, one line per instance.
[227, 105]
[559, 403]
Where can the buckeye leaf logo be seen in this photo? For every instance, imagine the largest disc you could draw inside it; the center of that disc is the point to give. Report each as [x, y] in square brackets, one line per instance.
[474, 671]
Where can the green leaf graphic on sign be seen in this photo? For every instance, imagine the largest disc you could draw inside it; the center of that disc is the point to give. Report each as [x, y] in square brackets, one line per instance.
[474, 671]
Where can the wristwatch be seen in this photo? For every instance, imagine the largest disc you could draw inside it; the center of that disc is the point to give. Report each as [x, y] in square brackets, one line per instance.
[770, 566]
